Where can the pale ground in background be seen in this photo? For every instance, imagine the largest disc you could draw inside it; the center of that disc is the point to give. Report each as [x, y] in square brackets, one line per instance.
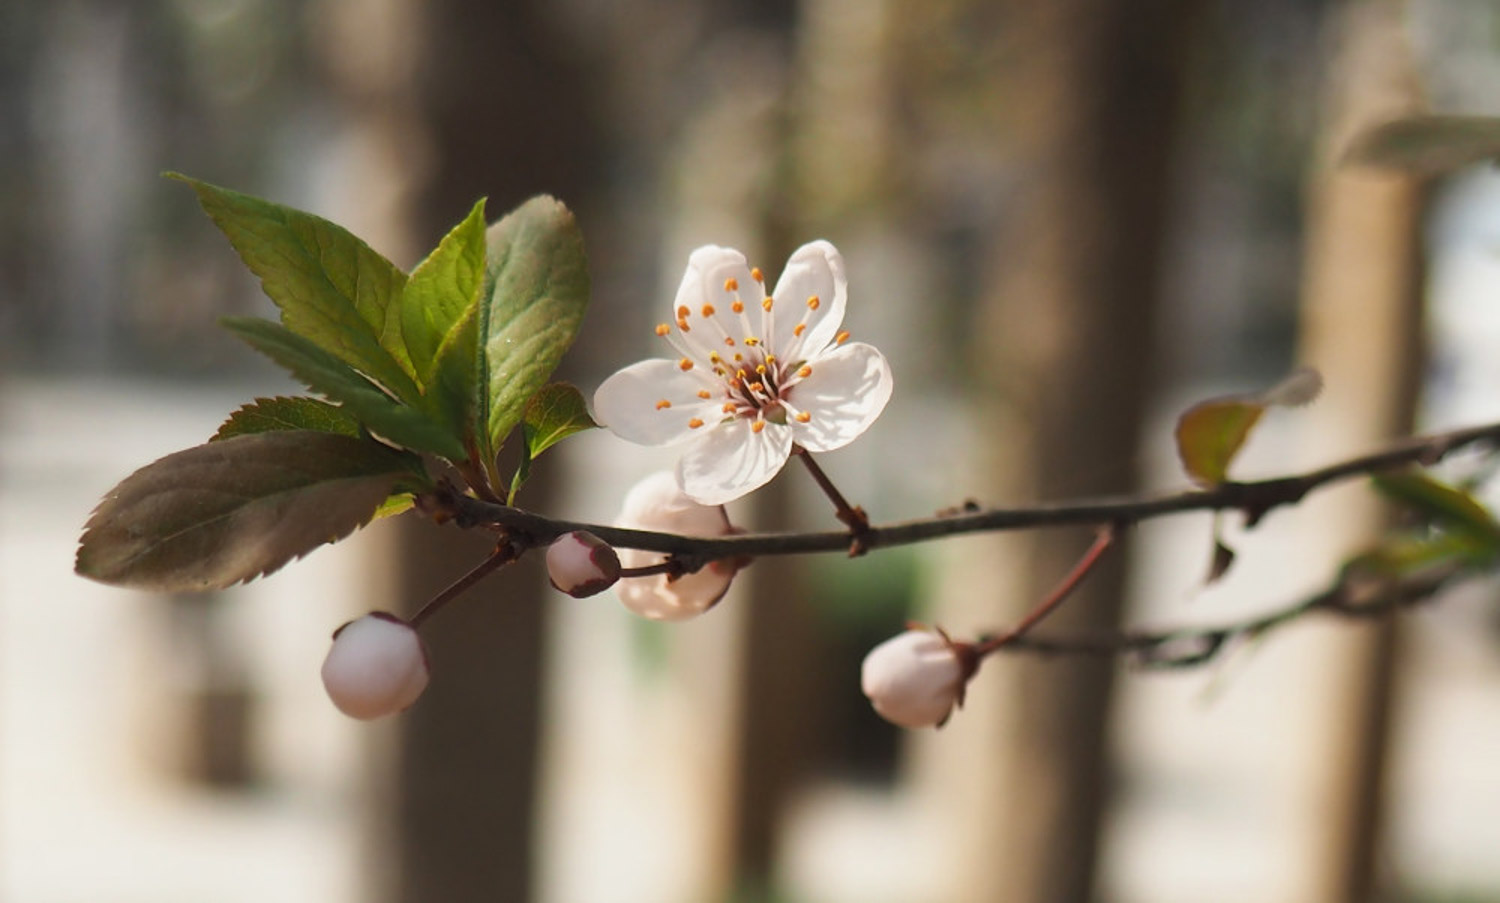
[90, 809]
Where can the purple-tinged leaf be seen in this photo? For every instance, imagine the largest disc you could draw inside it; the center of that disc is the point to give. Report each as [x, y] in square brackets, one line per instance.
[228, 511]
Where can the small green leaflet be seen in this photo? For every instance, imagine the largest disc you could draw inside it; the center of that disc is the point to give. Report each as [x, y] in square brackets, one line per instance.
[553, 414]
[283, 413]
[331, 287]
[327, 375]
[536, 288]
[227, 511]
[1442, 505]
[1211, 433]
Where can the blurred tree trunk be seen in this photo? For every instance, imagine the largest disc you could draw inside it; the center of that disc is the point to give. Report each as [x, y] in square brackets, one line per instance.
[449, 101]
[1362, 326]
[1062, 359]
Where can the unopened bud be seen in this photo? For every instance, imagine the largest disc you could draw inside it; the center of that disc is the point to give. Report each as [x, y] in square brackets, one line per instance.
[581, 564]
[916, 678]
[377, 666]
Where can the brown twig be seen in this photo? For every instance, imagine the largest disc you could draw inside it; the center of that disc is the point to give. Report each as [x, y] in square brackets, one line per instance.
[505, 552]
[1351, 598]
[1063, 590]
[1255, 499]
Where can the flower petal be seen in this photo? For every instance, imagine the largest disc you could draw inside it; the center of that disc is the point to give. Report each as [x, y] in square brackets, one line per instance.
[815, 270]
[732, 460]
[708, 269]
[629, 403]
[846, 390]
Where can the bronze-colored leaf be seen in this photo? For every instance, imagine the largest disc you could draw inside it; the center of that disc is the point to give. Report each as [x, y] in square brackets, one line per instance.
[237, 508]
[1211, 433]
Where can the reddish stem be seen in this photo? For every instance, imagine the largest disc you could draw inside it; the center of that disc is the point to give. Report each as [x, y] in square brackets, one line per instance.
[1064, 589]
[504, 554]
[851, 515]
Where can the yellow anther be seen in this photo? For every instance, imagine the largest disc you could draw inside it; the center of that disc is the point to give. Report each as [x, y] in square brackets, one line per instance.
[663, 404]
[813, 302]
[803, 416]
[713, 357]
[798, 331]
[682, 312]
[761, 369]
[805, 372]
[663, 328]
[708, 310]
[741, 374]
[731, 284]
[685, 365]
[757, 426]
[770, 358]
[757, 275]
[752, 341]
[738, 357]
[766, 304]
[705, 394]
[842, 337]
[737, 307]
[694, 423]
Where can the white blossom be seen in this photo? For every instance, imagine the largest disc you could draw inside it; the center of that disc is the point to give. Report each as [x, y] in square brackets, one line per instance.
[377, 666]
[656, 503]
[755, 373]
[915, 678]
[581, 564]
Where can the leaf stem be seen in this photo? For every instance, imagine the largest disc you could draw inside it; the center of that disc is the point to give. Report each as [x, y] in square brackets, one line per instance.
[505, 552]
[1102, 542]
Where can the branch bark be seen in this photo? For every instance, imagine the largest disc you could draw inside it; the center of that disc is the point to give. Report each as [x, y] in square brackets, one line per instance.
[1255, 499]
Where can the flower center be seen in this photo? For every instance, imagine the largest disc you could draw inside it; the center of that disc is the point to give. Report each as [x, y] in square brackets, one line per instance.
[751, 381]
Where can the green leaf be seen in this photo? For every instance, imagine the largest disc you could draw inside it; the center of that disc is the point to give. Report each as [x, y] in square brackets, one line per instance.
[229, 511]
[332, 288]
[399, 503]
[1440, 504]
[442, 290]
[536, 289]
[1406, 556]
[455, 380]
[555, 413]
[323, 373]
[1427, 144]
[267, 414]
[1210, 433]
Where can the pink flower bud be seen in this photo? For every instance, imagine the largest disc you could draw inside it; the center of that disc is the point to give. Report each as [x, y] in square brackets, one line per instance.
[656, 503]
[377, 666]
[581, 564]
[916, 678]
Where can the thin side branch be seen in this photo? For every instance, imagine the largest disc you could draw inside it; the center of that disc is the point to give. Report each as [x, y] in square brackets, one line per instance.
[1254, 499]
[1353, 598]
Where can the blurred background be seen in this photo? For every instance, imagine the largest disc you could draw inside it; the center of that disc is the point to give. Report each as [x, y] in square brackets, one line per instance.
[1063, 222]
